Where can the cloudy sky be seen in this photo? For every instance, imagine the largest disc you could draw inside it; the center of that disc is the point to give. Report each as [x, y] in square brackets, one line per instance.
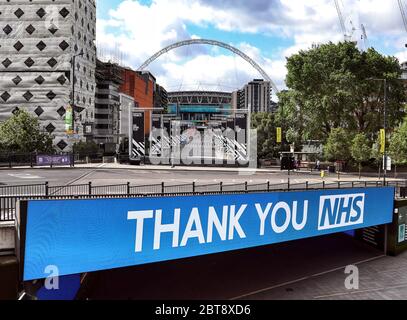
[266, 30]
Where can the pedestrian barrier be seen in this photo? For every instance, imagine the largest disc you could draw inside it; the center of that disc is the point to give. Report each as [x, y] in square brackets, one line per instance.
[10, 195]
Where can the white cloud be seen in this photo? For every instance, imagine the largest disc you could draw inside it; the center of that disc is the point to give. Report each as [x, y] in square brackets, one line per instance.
[146, 29]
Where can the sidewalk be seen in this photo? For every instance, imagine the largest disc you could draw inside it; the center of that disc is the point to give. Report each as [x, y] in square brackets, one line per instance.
[381, 278]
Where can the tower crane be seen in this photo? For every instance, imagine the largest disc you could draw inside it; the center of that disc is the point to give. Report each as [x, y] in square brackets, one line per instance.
[342, 21]
[403, 14]
[364, 37]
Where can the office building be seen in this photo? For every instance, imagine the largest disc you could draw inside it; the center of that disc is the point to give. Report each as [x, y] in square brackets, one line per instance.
[38, 40]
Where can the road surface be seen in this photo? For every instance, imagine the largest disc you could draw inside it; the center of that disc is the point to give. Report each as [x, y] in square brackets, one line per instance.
[107, 176]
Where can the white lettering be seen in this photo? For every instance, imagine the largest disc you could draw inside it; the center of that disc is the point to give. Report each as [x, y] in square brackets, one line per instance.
[299, 226]
[213, 220]
[165, 228]
[194, 220]
[234, 222]
[140, 216]
[263, 216]
[280, 206]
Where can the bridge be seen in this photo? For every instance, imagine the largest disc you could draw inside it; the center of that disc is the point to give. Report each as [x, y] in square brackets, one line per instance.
[190, 221]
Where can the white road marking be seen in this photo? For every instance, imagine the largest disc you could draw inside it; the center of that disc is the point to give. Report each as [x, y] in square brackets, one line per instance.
[24, 176]
[304, 278]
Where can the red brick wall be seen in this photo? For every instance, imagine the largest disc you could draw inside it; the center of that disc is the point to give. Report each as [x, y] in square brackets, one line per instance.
[142, 90]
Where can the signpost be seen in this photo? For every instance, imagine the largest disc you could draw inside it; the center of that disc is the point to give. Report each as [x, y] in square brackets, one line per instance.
[387, 163]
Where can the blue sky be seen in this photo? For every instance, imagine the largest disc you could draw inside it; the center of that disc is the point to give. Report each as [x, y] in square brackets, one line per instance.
[266, 30]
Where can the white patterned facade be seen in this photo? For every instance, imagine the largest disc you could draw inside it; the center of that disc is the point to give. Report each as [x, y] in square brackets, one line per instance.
[38, 39]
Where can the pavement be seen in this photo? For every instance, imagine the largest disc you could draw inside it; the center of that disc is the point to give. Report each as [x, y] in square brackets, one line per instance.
[309, 269]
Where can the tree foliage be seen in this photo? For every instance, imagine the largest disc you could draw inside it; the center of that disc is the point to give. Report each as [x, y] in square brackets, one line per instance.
[361, 149]
[331, 86]
[338, 145]
[22, 132]
[398, 144]
[265, 123]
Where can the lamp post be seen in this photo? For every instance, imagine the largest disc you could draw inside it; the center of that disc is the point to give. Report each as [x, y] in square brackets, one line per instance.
[384, 126]
[73, 86]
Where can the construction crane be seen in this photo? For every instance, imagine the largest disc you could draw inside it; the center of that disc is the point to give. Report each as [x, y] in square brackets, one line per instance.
[364, 37]
[347, 36]
[403, 14]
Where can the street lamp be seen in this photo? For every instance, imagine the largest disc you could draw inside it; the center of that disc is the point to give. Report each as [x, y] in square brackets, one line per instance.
[385, 125]
[73, 86]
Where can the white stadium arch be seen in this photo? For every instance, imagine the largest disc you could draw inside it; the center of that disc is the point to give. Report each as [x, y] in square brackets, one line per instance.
[184, 43]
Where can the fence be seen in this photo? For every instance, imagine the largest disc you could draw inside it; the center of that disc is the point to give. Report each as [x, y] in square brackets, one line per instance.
[10, 160]
[10, 195]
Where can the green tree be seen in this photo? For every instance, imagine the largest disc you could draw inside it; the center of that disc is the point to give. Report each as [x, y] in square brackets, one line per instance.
[266, 135]
[330, 87]
[289, 117]
[337, 146]
[22, 132]
[398, 145]
[360, 150]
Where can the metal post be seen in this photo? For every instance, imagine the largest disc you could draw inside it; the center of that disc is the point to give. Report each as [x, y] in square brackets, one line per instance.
[162, 188]
[385, 130]
[73, 87]
[246, 187]
[193, 187]
[90, 187]
[46, 188]
[128, 188]
[306, 185]
[221, 186]
[268, 185]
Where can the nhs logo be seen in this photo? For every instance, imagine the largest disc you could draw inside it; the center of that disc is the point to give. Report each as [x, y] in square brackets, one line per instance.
[341, 211]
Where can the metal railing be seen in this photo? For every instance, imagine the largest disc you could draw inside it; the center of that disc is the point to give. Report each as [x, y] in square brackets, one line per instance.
[10, 195]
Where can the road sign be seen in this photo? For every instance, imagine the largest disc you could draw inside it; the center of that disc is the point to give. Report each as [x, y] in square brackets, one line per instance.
[388, 163]
[279, 135]
[382, 141]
